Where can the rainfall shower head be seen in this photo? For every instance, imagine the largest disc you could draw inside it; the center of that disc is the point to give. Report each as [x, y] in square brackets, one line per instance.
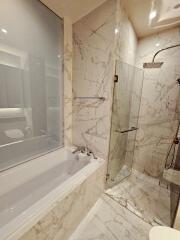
[153, 65]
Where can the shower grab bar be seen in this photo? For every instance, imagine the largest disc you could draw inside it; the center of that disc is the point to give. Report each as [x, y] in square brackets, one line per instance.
[128, 130]
[99, 98]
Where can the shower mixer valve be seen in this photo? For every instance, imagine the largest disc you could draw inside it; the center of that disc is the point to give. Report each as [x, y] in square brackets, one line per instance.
[176, 140]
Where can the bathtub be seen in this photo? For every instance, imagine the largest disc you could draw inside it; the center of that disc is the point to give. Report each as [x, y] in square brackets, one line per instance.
[29, 191]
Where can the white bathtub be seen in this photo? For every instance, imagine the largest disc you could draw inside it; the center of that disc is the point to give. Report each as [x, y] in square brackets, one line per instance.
[28, 191]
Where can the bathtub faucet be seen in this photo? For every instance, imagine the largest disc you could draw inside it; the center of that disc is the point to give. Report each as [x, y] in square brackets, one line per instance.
[84, 149]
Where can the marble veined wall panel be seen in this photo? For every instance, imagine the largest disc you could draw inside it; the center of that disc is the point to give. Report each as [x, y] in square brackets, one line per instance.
[100, 38]
[66, 214]
[93, 70]
[68, 50]
[158, 113]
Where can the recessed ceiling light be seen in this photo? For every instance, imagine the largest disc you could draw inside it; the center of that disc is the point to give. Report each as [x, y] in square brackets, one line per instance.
[116, 30]
[4, 30]
[157, 44]
[152, 14]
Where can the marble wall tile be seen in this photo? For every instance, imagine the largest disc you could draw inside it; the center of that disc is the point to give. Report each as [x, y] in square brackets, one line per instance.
[158, 117]
[66, 215]
[93, 70]
[177, 221]
[68, 50]
[100, 38]
[126, 39]
[125, 53]
[152, 144]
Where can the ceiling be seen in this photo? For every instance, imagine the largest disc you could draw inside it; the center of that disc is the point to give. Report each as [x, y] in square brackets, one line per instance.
[74, 9]
[137, 10]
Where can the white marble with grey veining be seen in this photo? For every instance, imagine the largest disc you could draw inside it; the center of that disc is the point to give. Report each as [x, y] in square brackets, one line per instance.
[143, 196]
[93, 67]
[68, 49]
[110, 221]
[67, 213]
[100, 38]
[158, 112]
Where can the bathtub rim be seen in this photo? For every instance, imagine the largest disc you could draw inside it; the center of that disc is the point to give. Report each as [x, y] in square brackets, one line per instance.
[26, 220]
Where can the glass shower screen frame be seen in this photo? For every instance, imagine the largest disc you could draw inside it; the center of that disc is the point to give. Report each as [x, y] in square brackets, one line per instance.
[31, 81]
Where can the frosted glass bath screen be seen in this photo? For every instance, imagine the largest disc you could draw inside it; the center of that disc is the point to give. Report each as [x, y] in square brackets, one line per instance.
[31, 81]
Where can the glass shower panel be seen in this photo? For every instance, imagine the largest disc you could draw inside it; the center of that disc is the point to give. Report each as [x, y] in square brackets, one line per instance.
[31, 81]
[125, 112]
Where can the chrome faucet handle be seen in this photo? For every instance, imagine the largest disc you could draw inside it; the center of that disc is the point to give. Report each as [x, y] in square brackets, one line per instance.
[90, 152]
[79, 149]
[84, 149]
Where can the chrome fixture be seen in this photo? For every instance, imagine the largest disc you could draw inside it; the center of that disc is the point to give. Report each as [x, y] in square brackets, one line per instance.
[99, 98]
[128, 130]
[172, 148]
[154, 64]
[116, 78]
[84, 149]
[178, 81]
[79, 149]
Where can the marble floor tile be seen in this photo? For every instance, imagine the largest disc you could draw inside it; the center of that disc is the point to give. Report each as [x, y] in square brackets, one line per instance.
[143, 196]
[110, 221]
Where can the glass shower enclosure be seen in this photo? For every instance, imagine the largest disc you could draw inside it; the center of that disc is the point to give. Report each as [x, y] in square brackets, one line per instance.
[124, 123]
[155, 200]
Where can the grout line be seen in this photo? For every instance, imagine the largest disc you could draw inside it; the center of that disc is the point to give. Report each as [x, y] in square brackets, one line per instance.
[144, 220]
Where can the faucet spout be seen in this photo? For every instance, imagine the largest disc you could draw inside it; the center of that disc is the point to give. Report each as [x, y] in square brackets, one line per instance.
[79, 149]
[84, 149]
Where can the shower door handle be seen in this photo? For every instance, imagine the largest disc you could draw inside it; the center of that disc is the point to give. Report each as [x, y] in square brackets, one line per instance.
[128, 130]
